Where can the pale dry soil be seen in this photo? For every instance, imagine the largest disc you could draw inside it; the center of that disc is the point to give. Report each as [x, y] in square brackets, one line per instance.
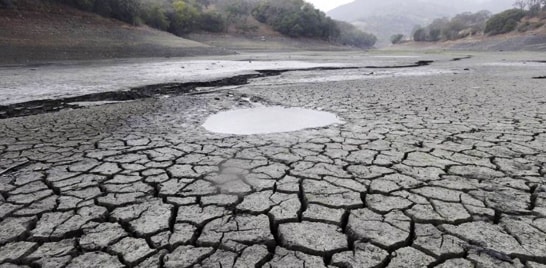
[435, 166]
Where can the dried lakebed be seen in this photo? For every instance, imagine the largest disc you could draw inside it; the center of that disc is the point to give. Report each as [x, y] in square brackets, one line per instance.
[436, 169]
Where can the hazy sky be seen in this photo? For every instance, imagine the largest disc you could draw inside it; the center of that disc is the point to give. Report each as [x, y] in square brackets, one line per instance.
[326, 5]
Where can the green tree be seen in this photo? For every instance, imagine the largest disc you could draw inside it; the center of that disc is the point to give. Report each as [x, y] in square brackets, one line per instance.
[504, 22]
[420, 35]
[185, 17]
[296, 18]
[237, 9]
[212, 22]
[126, 10]
[155, 16]
[348, 34]
[397, 38]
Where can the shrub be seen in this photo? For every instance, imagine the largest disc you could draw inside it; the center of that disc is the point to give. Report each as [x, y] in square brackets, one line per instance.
[420, 35]
[126, 10]
[236, 10]
[397, 38]
[509, 26]
[212, 22]
[504, 22]
[348, 34]
[184, 17]
[155, 16]
[245, 28]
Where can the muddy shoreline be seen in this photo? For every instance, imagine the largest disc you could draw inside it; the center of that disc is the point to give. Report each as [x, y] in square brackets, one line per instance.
[52, 105]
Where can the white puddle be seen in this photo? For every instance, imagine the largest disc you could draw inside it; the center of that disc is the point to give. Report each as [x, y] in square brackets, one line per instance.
[394, 56]
[266, 120]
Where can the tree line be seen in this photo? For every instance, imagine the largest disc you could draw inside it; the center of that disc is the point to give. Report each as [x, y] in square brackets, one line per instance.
[482, 22]
[462, 25]
[176, 16]
[298, 18]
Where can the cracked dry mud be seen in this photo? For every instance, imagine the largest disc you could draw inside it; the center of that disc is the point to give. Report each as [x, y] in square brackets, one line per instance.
[431, 170]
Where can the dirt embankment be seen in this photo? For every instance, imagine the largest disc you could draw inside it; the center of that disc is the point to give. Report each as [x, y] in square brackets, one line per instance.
[513, 42]
[527, 41]
[45, 32]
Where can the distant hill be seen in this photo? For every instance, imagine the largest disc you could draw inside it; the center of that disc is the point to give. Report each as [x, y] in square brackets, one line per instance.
[387, 17]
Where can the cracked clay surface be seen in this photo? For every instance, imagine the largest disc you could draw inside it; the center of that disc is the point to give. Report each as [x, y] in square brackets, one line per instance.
[434, 166]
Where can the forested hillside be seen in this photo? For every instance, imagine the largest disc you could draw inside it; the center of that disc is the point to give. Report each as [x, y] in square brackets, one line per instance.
[528, 15]
[293, 18]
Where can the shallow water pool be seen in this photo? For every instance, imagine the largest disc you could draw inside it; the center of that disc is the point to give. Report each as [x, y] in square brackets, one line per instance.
[267, 120]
